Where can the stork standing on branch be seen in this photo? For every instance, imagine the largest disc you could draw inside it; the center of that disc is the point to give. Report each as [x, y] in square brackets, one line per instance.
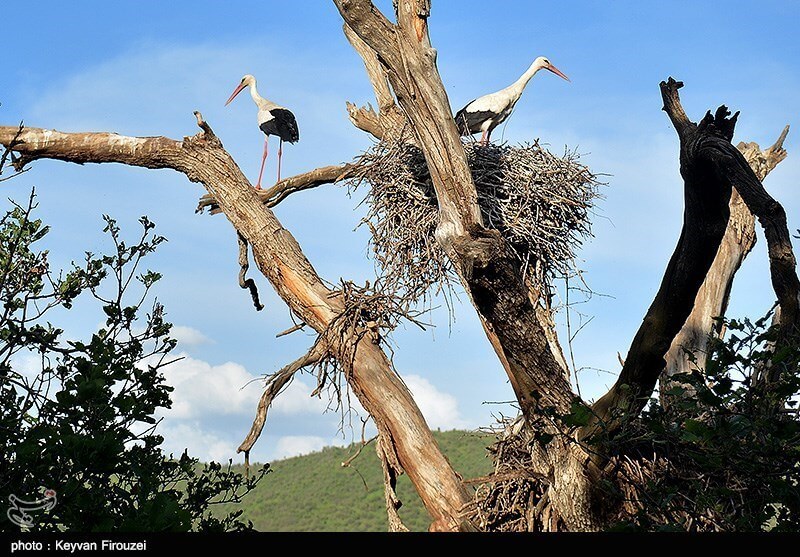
[272, 119]
[489, 111]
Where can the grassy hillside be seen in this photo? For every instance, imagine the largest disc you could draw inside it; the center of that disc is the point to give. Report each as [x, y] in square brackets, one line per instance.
[314, 492]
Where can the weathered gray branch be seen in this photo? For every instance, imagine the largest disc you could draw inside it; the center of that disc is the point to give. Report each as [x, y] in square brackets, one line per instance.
[275, 385]
[389, 122]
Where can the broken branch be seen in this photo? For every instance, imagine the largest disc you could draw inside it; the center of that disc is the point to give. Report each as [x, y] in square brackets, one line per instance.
[274, 387]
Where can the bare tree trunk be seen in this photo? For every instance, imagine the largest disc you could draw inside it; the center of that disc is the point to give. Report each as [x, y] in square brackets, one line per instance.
[488, 269]
[690, 346]
[408, 443]
[711, 168]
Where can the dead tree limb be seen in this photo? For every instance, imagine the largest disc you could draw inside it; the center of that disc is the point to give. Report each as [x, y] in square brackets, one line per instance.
[711, 167]
[7, 151]
[389, 122]
[244, 265]
[276, 384]
[772, 217]
[690, 346]
[390, 474]
[707, 192]
[279, 257]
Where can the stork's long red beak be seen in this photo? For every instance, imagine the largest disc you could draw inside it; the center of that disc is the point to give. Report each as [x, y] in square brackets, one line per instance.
[235, 92]
[558, 72]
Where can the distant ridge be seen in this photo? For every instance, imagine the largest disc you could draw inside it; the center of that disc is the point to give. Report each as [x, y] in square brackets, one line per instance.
[315, 493]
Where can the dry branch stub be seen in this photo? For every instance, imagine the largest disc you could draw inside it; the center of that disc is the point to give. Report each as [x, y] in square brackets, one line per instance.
[540, 202]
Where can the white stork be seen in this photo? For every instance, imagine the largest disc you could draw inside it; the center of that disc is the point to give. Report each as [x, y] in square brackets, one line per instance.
[489, 111]
[272, 119]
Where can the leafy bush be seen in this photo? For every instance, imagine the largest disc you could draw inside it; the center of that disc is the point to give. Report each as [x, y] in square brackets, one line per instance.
[79, 430]
[725, 454]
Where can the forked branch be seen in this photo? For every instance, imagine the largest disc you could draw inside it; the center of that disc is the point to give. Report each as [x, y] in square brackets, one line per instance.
[707, 192]
[286, 187]
[691, 345]
[711, 167]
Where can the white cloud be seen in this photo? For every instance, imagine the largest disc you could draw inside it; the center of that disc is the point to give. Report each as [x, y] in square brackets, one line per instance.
[187, 336]
[439, 408]
[28, 364]
[297, 445]
[202, 389]
[297, 399]
[203, 445]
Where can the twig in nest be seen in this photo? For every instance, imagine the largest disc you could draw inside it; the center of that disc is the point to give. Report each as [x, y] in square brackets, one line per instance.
[244, 265]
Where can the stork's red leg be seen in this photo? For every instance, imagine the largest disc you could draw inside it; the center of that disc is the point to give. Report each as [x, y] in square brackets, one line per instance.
[280, 154]
[484, 138]
[263, 160]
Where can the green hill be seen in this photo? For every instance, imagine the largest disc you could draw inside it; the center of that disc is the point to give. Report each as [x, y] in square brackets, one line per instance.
[315, 493]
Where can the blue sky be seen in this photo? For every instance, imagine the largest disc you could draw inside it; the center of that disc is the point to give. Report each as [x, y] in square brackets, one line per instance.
[141, 68]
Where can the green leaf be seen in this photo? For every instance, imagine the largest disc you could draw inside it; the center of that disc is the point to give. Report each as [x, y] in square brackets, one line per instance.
[579, 415]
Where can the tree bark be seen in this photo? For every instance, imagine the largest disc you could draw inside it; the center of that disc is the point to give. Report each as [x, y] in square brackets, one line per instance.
[286, 187]
[279, 257]
[711, 168]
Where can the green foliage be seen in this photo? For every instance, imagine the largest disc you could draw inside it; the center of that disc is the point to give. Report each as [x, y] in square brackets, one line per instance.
[730, 440]
[315, 493]
[83, 422]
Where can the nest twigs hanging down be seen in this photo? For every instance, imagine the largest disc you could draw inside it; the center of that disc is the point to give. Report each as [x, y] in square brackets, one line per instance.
[513, 498]
[540, 202]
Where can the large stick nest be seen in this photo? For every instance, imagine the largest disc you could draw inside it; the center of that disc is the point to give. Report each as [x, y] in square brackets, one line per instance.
[636, 489]
[540, 202]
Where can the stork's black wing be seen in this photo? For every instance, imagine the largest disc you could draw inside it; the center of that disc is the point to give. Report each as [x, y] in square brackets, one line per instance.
[283, 124]
[471, 122]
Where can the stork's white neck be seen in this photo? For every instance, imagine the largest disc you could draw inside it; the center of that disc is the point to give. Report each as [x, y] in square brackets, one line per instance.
[518, 86]
[260, 101]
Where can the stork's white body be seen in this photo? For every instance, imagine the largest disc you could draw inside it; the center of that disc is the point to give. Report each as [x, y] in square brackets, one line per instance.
[489, 111]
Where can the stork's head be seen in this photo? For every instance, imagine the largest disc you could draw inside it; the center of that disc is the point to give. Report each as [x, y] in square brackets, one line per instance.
[544, 63]
[246, 80]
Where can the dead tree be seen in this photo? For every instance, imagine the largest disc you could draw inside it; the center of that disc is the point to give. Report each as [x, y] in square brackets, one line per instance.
[413, 108]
